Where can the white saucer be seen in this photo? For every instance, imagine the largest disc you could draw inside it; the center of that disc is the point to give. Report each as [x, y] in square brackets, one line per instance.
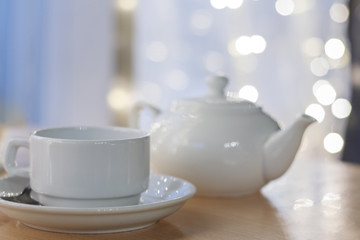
[165, 195]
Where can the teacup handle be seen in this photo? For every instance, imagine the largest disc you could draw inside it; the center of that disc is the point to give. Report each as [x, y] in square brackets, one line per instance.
[136, 110]
[10, 157]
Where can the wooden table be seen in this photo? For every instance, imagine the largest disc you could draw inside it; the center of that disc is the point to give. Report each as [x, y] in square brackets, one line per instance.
[316, 199]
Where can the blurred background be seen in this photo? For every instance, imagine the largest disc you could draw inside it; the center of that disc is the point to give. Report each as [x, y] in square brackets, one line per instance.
[86, 62]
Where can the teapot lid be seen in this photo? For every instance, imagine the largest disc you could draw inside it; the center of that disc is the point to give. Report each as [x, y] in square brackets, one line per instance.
[215, 99]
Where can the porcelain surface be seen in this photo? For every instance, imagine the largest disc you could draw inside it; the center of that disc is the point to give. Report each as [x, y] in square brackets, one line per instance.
[165, 195]
[78, 163]
[225, 147]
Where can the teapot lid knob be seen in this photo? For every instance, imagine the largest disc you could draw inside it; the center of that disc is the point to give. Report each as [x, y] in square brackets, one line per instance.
[217, 85]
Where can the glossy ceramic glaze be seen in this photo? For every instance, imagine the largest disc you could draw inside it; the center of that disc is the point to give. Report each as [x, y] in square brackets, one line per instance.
[85, 166]
[164, 196]
[225, 147]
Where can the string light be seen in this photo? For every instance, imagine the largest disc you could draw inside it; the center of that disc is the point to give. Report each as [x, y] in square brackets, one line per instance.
[118, 99]
[341, 62]
[243, 45]
[258, 44]
[325, 93]
[313, 47]
[249, 93]
[234, 4]
[125, 5]
[339, 12]
[221, 4]
[201, 21]
[301, 6]
[317, 84]
[218, 4]
[319, 67]
[232, 48]
[246, 45]
[324, 55]
[285, 7]
[341, 108]
[334, 48]
[333, 142]
[316, 111]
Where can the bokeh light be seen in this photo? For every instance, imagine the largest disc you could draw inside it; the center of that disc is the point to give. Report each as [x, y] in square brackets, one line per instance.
[339, 12]
[317, 84]
[313, 47]
[319, 67]
[333, 142]
[243, 45]
[341, 108]
[125, 5]
[334, 48]
[232, 48]
[316, 111]
[118, 98]
[285, 7]
[201, 21]
[218, 4]
[314, 25]
[258, 44]
[221, 4]
[325, 93]
[340, 63]
[249, 93]
[234, 4]
[246, 45]
[301, 6]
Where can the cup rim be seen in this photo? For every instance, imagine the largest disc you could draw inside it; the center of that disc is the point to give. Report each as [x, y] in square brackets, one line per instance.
[141, 134]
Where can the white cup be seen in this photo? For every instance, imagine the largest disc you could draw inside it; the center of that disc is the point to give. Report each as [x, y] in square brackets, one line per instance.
[84, 166]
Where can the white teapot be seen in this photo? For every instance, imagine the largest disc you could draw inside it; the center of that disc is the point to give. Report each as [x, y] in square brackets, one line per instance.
[225, 148]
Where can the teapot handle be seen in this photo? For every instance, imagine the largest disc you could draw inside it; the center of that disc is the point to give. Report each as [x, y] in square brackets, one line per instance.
[136, 110]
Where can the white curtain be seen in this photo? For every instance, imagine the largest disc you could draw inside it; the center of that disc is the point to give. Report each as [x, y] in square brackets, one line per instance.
[55, 62]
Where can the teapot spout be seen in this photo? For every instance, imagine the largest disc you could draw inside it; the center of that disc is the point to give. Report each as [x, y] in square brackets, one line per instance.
[280, 149]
